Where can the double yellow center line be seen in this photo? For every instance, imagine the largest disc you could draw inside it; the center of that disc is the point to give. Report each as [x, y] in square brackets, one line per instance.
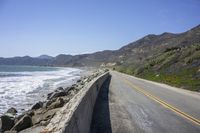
[163, 103]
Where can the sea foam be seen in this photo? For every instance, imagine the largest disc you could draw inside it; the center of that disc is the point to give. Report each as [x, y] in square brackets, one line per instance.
[22, 89]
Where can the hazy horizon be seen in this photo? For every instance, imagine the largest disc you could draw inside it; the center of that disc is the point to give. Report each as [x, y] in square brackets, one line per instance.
[44, 54]
[52, 27]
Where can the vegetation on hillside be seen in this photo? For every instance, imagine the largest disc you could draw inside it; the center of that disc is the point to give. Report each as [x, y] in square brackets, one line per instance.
[177, 66]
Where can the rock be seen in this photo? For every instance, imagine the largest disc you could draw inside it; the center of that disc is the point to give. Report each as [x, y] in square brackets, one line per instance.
[23, 123]
[6, 123]
[18, 118]
[49, 95]
[45, 115]
[58, 94]
[48, 103]
[67, 88]
[56, 91]
[37, 105]
[31, 113]
[74, 85]
[44, 123]
[106, 70]
[10, 115]
[70, 89]
[85, 80]
[71, 92]
[79, 87]
[57, 104]
[12, 111]
[78, 80]
[89, 79]
[61, 103]
[66, 99]
[59, 89]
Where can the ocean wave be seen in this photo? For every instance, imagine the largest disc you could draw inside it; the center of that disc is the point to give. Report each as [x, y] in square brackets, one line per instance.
[22, 89]
[3, 75]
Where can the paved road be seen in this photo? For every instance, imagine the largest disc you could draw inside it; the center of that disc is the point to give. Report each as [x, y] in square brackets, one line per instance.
[127, 104]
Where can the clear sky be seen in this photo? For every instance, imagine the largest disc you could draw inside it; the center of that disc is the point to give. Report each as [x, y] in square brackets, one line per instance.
[35, 27]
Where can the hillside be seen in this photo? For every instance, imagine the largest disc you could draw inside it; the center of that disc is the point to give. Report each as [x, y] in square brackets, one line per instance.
[168, 57]
[179, 66]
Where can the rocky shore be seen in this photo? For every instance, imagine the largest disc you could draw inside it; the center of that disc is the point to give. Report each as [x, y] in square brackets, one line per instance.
[42, 112]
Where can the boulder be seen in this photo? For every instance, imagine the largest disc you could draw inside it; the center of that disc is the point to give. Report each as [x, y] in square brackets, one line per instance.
[45, 115]
[49, 102]
[44, 123]
[12, 111]
[10, 115]
[73, 86]
[59, 89]
[30, 113]
[78, 80]
[23, 123]
[106, 70]
[58, 94]
[6, 123]
[79, 87]
[70, 89]
[67, 88]
[49, 95]
[37, 105]
[57, 104]
[71, 92]
[66, 99]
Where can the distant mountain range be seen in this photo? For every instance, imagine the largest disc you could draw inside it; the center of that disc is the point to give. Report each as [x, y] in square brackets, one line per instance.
[148, 57]
[45, 57]
[134, 53]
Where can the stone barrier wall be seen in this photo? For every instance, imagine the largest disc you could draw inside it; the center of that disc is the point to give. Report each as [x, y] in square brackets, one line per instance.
[76, 116]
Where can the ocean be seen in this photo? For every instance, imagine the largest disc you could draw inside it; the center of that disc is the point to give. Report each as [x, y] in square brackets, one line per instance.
[22, 86]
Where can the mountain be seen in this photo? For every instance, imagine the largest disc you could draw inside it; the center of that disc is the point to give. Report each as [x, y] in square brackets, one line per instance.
[152, 45]
[26, 60]
[45, 57]
[168, 57]
[135, 53]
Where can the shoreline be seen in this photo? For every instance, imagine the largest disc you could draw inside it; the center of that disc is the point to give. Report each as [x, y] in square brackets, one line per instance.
[42, 112]
[20, 86]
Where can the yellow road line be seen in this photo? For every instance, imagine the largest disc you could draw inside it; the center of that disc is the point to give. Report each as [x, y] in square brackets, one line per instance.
[163, 103]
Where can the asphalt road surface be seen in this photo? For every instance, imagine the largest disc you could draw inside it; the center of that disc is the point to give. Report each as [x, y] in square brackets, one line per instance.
[130, 105]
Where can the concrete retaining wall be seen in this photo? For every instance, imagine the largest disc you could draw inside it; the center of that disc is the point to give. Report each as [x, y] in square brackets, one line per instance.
[76, 116]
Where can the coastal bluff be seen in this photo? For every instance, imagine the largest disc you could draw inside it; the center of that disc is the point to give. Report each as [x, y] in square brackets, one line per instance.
[67, 110]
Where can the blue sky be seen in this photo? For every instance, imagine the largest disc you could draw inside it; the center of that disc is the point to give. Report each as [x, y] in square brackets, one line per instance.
[35, 27]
